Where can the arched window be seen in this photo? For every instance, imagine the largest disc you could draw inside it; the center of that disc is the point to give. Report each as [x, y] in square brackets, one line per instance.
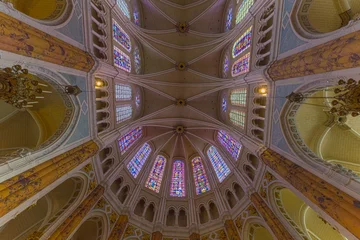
[123, 113]
[238, 118]
[126, 141]
[200, 177]
[231, 145]
[137, 60]
[238, 97]
[229, 17]
[137, 162]
[219, 165]
[241, 66]
[121, 60]
[123, 7]
[242, 43]
[121, 36]
[122, 92]
[136, 17]
[154, 180]
[177, 188]
[226, 66]
[224, 105]
[137, 100]
[243, 10]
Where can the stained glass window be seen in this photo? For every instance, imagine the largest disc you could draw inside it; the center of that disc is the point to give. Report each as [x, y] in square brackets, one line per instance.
[123, 7]
[122, 92]
[137, 100]
[243, 10]
[154, 180]
[228, 19]
[123, 113]
[220, 167]
[137, 60]
[224, 105]
[137, 17]
[241, 66]
[226, 66]
[137, 162]
[177, 188]
[242, 43]
[121, 37]
[200, 177]
[121, 60]
[238, 118]
[126, 141]
[238, 97]
[231, 145]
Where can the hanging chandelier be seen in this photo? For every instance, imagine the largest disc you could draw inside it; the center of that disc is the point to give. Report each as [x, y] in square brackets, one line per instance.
[346, 100]
[19, 88]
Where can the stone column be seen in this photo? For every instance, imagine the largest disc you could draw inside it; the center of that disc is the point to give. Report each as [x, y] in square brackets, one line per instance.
[156, 236]
[337, 204]
[270, 218]
[73, 221]
[119, 228]
[19, 188]
[20, 38]
[194, 236]
[339, 54]
[231, 230]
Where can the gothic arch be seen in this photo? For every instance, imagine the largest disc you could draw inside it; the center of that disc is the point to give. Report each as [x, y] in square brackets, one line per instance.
[312, 19]
[52, 133]
[94, 227]
[256, 229]
[294, 137]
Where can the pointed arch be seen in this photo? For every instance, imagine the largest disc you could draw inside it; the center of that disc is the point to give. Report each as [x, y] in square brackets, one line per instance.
[121, 60]
[155, 177]
[177, 188]
[243, 10]
[123, 7]
[137, 162]
[126, 141]
[242, 43]
[120, 36]
[241, 66]
[220, 167]
[201, 180]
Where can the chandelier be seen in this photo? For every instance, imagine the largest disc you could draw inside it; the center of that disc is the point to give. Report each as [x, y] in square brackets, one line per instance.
[19, 88]
[346, 100]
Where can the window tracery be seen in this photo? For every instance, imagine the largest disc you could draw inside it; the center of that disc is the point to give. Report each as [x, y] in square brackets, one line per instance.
[121, 60]
[220, 167]
[224, 105]
[126, 141]
[201, 181]
[226, 66]
[122, 92]
[230, 144]
[121, 36]
[238, 118]
[155, 177]
[123, 7]
[123, 113]
[242, 43]
[137, 17]
[243, 10]
[137, 162]
[177, 188]
[137, 60]
[241, 66]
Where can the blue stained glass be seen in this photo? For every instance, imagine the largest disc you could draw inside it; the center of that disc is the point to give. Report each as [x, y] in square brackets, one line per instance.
[219, 165]
[224, 105]
[137, 60]
[177, 188]
[226, 66]
[137, 162]
[230, 144]
[121, 37]
[121, 60]
[137, 17]
[154, 180]
[200, 177]
[229, 17]
[126, 141]
[242, 43]
[137, 100]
